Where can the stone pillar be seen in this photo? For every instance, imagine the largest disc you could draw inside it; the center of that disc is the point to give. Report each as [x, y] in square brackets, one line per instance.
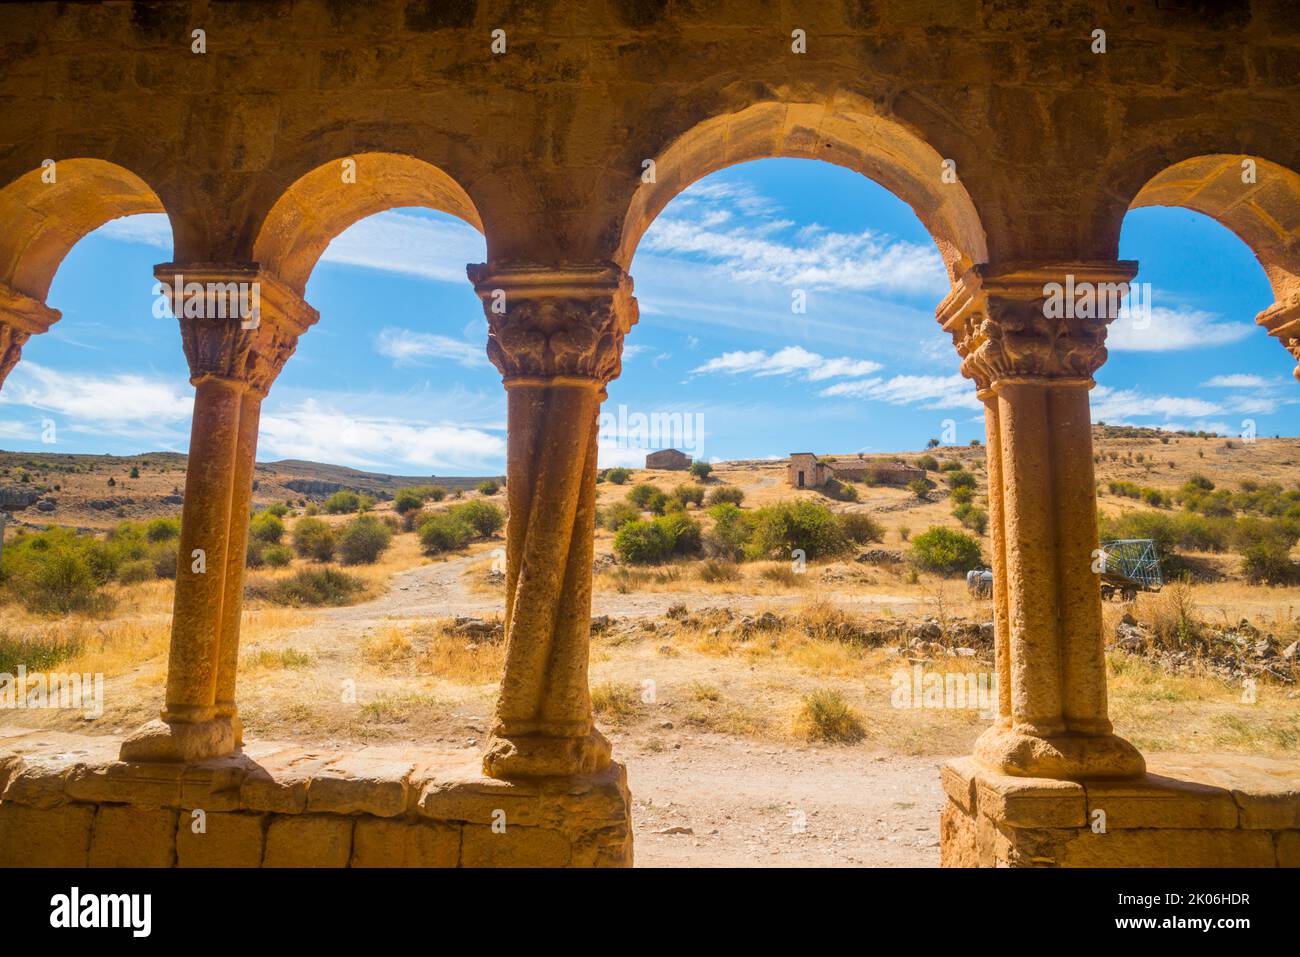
[556, 335]
[1031, 337]
[21, 317]
[234, 356]
[1282, 320]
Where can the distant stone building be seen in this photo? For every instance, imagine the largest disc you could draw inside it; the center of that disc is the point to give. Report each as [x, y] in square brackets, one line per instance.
[805, 470]
[669, 460]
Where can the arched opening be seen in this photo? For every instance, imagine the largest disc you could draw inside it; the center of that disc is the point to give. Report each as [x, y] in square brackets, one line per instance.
[786, 306]
[1194, 439]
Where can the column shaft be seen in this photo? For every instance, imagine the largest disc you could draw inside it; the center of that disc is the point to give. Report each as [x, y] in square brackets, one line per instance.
[998, 536]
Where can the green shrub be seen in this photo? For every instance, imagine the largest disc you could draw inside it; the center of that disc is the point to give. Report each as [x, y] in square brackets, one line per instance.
[37, 653]
[363, 540]
[488, 487]
[640, 495]
[615, 516]
[342, 502]
[445, 532]
[407, 500]
[689, 494]
[136, 571]
[730, 533]
[682, 533]
[617, 475]
[960, 479]
[724, 494]
[485, 518]
[861, 529]
[642, 543]
[951, 465]
[945, 551]
[920, 488]
[1265, 548]
[928, 462]
[279, 509]
[277, 556]
[165, 557]
[59, 583]
[163, 529]
[808, 525]
[313, 539]
[266, 528]
[976, 519]
[701, 470]
[253, 557]
[962, 495]
[309, 586]
[840, 491]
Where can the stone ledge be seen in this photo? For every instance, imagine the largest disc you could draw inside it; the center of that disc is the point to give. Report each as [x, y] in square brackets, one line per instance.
[1188, 811]
[67, 799]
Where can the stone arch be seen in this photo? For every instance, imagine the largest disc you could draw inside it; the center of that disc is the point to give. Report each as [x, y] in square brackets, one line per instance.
[1264, 214]
[320, 205]
[44, 220]
[845, 131]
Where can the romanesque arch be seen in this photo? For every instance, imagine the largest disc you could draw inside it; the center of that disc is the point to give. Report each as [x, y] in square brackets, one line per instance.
[330, 198]
[1259, 201]
[845, 131]
[46, 212]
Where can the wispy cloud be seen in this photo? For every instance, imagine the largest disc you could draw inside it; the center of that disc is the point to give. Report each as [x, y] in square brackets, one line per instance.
[128, 404]
[926, 391]
[428, 247]
[1238, 380]
[407, 347]
[1171, 330]
[1124, 405]
[792, 360]
[317, 431]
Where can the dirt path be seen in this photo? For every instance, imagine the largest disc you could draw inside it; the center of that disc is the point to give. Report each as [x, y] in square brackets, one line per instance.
[744, 803]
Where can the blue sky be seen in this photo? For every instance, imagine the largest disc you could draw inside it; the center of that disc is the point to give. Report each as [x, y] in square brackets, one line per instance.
[394, 377]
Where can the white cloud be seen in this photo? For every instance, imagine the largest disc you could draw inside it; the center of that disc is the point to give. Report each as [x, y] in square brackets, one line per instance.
[124, 403]
[320, 432]
[631, 351]
[405, 346]
[930, 391]
[792, 360]
[1239, 380]
[1169, 330]
[1120, 405]
[391, 241]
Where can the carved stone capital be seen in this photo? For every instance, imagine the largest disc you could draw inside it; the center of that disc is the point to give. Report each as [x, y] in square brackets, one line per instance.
[21, 317]
[1282, 320]
[555, 322]
[239, 323]
[1034, 321]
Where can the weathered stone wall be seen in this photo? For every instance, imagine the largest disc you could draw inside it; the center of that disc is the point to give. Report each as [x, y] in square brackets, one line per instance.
[1199, 814]
[65, 800]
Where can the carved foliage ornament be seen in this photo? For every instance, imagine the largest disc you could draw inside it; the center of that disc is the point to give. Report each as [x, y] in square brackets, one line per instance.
[561, 322]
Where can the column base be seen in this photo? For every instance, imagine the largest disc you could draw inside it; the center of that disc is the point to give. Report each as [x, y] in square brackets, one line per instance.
[186, 741]
[540, 756]
[1063, 757]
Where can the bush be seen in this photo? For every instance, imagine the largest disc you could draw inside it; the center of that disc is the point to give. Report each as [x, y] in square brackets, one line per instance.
[682, 532]
[134, 572]
[976, 519]
[840, 491]
[163, 529]
[407, 500]
[309, 586]
[730, 533]
[59, 583]
[724, 494]
[1265, 548]
[165, 558]
[640, 495]
[342, 502]
[701, 470]
[920, 488]
[808, 525]
[960, 479]
[689, 495]
[253, 554]
[277, 556]
[928, 463]
[825, 716]
[363, 540]
[617, 475]
[861, 529]
[279, 509]
[313, 539]
[266, 528]
[642, 543]
[488, 487]
[613, 517]
[485, 518]
[945, 551]
[713, 571]
[951, 465]
[445, 532]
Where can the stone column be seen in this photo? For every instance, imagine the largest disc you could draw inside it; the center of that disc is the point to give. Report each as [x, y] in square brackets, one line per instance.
[556, 335]
[234, 356]
[21, 317]
[1031, 337]
[1282, 320]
